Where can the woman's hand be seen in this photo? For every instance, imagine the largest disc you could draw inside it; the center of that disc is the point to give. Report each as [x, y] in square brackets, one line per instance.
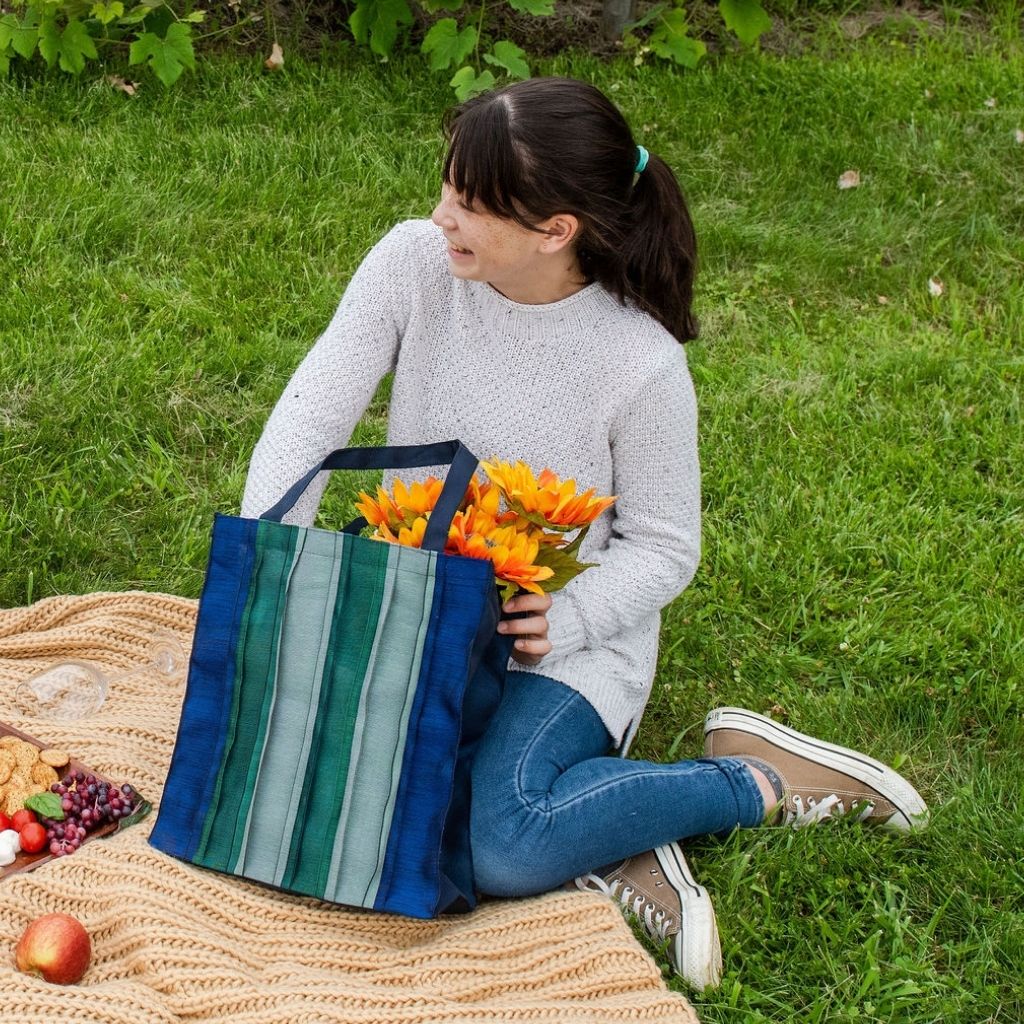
[531, 632]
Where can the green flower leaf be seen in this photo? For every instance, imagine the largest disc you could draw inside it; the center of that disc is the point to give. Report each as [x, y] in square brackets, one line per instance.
[747, 18]
[169, 56]
[541, 7]
[447, 45]
[566, 567]
[466, 82]
[510, 57]
[670, 40]
[46, 805]
[376, 22]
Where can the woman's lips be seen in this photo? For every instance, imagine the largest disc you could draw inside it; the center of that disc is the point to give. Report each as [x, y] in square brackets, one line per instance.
[457, 252]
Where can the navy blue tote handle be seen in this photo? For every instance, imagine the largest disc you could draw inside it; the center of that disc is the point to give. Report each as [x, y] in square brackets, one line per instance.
[462, 465]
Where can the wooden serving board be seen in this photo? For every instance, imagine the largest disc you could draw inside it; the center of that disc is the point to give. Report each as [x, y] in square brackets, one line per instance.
[29, 861]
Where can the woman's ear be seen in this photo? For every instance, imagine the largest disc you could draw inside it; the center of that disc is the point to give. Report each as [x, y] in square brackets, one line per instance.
[559, 231]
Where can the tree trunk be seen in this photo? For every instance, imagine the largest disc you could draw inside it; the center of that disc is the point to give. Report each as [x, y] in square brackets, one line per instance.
[615, 16]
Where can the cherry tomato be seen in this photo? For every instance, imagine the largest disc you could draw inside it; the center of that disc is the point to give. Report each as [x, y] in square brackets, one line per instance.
[32, 837]
[21, 818]
[5, 822]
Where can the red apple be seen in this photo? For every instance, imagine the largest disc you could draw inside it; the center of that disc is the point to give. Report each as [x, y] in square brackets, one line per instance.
[55, 947]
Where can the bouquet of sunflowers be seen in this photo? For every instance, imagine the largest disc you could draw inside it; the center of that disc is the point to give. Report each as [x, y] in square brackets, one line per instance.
[527, 540]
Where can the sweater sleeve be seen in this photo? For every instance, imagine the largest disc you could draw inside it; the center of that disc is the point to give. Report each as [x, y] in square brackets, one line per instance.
[332, 387]
[654, 547]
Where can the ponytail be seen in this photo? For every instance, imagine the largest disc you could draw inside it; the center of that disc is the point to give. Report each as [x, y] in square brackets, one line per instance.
[655, 262]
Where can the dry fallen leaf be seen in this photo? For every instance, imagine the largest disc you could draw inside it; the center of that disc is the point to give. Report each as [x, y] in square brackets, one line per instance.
[849, 179]
[935, 286]
[990, 102]
[119, 83]
[883, 300]
[1019, 136]
[276, 59]
[969, 411]
[928, 94]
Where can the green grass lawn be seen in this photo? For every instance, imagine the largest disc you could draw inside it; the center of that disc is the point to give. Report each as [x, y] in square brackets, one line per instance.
[167, 260]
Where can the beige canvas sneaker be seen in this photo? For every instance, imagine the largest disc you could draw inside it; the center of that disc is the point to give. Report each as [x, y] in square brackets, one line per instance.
[819, 780]
[659, 889]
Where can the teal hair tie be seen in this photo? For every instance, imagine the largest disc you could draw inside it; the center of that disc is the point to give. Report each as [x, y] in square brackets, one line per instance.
[642, 156]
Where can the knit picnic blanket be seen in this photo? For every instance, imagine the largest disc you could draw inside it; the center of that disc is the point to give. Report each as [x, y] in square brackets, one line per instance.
[173, 942]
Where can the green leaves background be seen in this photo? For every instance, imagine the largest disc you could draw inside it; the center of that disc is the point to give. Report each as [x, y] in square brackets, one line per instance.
[158, 34]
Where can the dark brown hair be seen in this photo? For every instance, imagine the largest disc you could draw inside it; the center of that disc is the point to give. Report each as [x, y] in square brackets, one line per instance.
[557, 145]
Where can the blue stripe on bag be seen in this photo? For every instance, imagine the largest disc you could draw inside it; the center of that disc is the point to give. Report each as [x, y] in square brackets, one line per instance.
[462, 589]
[210, 685]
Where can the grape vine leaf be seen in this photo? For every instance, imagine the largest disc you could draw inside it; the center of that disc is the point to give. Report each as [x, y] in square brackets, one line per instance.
[376, 22]
[69, 47]
[169, 56]
[447, 45]
[510, 57]
[747, 18]
[670, 40]
[542, 7]
[433, 6]
[22, 35]
[107, 12]
[466, 82]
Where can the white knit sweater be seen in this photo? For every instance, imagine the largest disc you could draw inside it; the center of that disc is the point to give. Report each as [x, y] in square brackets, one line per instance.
[596, 391]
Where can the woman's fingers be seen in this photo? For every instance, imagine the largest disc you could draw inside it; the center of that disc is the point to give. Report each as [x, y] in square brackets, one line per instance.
[535, 624]
[528, 603]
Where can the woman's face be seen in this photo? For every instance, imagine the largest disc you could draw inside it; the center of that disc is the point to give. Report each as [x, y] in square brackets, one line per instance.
[485, 247]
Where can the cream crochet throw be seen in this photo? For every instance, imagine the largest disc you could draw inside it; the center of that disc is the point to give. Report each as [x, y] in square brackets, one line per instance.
[172, 942]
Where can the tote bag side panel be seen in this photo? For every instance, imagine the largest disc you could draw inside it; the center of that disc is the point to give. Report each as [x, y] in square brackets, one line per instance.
[211, 682]
[411, 878]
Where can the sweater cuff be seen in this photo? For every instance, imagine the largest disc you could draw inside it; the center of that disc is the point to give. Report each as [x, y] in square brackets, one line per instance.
[565, 627]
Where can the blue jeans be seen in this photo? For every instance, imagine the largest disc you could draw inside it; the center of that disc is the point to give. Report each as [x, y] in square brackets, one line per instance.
[549, 803]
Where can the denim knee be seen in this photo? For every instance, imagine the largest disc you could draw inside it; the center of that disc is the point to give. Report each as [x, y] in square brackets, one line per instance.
[506, 858]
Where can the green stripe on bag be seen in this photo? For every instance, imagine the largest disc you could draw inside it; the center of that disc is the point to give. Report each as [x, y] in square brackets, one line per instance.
[357, 609]
[381, 725]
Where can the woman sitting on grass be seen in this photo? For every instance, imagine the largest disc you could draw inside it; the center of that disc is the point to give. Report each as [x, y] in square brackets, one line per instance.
[540, 314]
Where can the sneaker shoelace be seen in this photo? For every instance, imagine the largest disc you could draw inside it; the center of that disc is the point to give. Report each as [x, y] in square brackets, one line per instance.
[656, 921]
[831, 806]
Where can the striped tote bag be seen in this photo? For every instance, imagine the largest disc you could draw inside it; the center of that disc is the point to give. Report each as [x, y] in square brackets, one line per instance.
[336, 691]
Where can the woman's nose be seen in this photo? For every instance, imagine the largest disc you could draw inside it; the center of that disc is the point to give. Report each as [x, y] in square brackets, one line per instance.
[442, 215]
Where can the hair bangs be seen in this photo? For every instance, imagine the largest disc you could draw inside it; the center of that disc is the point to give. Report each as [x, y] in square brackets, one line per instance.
[482, 163]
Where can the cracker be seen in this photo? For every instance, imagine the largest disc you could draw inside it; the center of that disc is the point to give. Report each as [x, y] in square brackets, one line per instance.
[43, 774]
[26, 754]
[7, 764]
[54, 758]
[15, 800]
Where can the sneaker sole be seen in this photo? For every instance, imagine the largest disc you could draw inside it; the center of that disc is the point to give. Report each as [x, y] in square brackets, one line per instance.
[912, 811]
[698, 949]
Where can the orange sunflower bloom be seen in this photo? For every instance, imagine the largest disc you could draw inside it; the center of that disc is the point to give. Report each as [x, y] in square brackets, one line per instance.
[379, 511]
[411, 536]
[546, 496]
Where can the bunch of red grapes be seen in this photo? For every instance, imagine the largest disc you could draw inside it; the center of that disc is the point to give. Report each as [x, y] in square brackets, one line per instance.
[88, 804]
